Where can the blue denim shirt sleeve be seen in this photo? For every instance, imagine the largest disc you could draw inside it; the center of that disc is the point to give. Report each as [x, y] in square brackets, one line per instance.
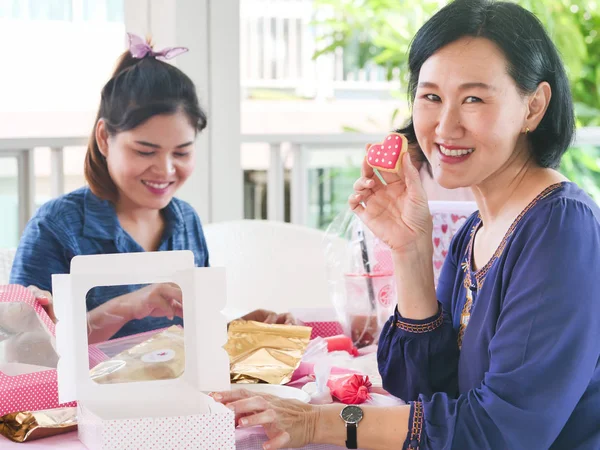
[44, 249]
[201, 252]
[79, 223]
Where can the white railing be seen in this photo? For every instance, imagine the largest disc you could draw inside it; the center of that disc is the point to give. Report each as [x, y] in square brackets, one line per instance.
[22, 149]
[281, 146]
[300, 144]
[277, 44]
[278, 39]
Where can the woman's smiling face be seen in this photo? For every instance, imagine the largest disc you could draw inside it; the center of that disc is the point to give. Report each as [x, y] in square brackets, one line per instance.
[468, 113]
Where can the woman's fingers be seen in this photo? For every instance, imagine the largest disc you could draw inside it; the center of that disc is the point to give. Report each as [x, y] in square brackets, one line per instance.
[170, 301]
[286, 319]
[279, 441]
[49, 308]
[170, 291]
[177, 308]
[40, 294]
[255, 411]
[270, 317]
[248, 407]
[162, 307]
[44, 298]
[412, 177]
[286, 422]
[355, 202]
[364, 184]
[260, 418]
[230, 396]
[366, 170]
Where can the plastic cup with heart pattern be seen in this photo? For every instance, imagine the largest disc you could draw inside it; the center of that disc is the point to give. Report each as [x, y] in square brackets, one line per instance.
[365, 322]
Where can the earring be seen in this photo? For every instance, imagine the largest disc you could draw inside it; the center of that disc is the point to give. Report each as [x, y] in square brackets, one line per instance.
[527, 130]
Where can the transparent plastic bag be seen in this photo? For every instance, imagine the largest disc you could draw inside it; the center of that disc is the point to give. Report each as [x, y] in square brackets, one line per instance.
[361, 278]
[24, 337]
[361, 270]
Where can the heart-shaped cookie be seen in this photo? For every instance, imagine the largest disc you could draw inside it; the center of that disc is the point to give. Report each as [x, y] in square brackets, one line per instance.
[387, 156]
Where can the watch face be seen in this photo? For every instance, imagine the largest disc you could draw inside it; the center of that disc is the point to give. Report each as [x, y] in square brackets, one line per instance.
[351, 414]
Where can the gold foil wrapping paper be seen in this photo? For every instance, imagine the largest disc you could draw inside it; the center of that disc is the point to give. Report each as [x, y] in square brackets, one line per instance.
[28, 426]
[265, 353]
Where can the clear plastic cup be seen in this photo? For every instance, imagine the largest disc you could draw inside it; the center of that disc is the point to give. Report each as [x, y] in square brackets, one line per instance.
[369, 302]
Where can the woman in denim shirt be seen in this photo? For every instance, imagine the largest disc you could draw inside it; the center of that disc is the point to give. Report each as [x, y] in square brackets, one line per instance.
[140, 153]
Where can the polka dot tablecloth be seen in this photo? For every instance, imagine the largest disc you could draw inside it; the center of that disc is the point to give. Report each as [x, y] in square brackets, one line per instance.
[34, 391]
[248, 439]
[253, 439]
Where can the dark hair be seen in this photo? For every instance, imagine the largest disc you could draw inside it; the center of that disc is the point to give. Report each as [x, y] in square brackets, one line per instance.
[138, 90]
[531, 55]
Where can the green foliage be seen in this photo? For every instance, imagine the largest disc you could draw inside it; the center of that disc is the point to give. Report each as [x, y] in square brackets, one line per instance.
[380, 31]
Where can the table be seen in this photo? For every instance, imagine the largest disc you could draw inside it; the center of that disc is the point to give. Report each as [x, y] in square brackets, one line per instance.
[247, 439]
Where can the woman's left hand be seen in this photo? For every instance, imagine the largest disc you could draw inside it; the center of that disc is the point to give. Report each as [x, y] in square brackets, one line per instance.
[287, 423]
[266, 316]
[45, 299]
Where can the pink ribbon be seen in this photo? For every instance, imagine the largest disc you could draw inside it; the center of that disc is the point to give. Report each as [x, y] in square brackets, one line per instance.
[139, 49]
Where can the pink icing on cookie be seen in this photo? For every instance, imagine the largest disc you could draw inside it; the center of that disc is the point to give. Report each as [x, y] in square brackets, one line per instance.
[387, 156]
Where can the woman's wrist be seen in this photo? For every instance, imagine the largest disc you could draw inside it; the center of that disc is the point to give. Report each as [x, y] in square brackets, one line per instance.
[415, 286]
[121, 306]
[419, 248]
[105, 320]
[381, 427]
[328, 427]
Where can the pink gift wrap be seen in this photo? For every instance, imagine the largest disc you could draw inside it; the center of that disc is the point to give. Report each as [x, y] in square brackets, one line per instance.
[324, 329]
[33, 391]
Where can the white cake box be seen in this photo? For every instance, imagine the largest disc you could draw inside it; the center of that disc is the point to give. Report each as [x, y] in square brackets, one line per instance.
[162, 414]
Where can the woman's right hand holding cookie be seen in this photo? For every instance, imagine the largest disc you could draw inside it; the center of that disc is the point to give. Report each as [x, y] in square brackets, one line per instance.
[396, 212]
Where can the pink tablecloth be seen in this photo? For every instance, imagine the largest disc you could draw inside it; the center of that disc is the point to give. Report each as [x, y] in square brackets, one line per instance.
[249, 439]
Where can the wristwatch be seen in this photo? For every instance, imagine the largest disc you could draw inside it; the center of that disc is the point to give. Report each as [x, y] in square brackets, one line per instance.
[351, 415]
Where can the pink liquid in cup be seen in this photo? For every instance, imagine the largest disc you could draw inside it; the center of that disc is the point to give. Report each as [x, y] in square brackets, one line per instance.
[365, 314]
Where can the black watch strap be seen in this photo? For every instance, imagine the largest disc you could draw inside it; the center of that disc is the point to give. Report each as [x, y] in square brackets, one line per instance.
[351, 435]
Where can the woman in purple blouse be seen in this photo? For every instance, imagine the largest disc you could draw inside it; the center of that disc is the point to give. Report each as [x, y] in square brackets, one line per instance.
[505, 355]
